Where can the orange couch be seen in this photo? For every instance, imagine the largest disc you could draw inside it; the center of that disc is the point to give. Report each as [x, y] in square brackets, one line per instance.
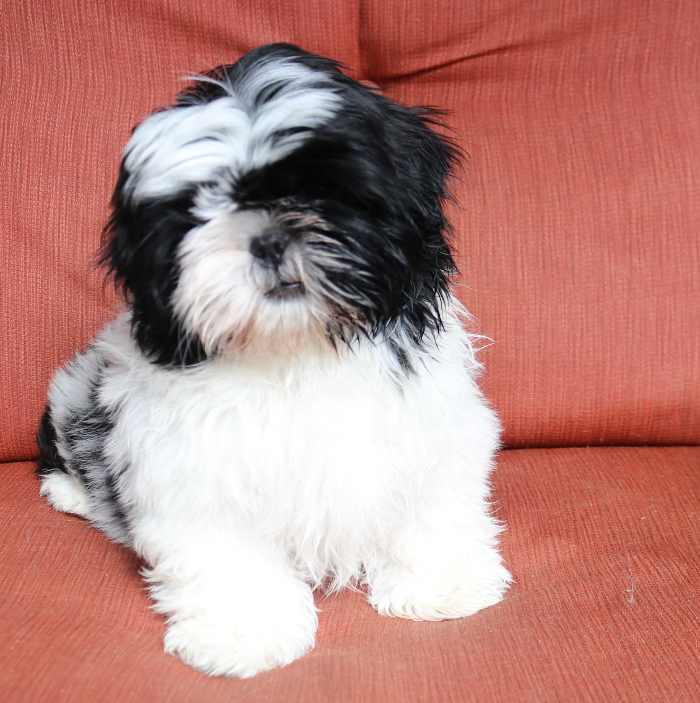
[577, 228]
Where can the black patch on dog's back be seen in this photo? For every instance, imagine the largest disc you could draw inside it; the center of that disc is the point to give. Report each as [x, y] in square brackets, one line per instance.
[49, 459]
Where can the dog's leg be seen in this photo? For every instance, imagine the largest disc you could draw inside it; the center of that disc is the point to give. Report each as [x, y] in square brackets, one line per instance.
[235, 607]
[443, 564]
[66, 493]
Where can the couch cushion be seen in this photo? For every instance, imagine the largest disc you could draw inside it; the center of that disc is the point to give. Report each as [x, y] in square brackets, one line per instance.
[577, 229]
[603, 544]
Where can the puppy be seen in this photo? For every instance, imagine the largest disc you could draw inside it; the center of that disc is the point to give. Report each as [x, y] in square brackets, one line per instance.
[289, 401]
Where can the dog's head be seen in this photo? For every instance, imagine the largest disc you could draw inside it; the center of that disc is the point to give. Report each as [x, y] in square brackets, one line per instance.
[276, 199]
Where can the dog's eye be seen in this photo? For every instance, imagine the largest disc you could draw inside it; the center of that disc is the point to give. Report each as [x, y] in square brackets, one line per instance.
[325, 190]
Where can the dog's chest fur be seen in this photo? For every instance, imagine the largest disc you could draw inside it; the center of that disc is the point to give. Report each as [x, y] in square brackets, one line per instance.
[325, 452]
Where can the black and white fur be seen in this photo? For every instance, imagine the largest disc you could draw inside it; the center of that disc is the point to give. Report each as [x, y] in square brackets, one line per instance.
[289, 400]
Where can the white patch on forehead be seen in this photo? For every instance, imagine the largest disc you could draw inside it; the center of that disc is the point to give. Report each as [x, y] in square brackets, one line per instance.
[196, 143]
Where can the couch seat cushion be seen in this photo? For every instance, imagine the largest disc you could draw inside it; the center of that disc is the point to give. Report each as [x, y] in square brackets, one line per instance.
[603, 544]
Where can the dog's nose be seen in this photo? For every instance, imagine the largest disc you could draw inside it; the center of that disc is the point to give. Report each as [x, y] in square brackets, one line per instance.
[269, 247]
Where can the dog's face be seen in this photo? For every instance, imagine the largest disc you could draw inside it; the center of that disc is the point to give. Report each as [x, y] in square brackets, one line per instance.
[279, 199]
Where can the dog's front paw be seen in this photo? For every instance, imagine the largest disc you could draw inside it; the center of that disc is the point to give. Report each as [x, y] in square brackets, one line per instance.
[438, 594]
[65, 493]
[243, 647]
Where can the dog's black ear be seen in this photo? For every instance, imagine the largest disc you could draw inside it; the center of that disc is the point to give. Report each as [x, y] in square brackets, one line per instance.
[139, 250]
[422, 163]
[425, 160]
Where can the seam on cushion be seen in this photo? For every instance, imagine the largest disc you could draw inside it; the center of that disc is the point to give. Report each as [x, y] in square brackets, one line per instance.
[508, 448]
[17, 459]
[544, 447]
[362, 58]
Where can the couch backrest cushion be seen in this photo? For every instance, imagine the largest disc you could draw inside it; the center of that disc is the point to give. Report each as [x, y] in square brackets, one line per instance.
[578, 219]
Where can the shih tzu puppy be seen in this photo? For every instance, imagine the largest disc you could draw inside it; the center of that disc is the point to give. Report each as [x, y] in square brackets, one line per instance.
[289, 401]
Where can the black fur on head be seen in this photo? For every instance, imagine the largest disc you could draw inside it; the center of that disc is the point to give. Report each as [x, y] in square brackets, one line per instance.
[372, 171]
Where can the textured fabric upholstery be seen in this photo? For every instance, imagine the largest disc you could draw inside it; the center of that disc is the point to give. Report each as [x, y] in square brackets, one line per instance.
[577, 231]
[603, 543]
[578, 208]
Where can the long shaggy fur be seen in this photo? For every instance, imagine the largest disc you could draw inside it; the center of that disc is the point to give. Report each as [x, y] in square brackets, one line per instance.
[289, 400]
